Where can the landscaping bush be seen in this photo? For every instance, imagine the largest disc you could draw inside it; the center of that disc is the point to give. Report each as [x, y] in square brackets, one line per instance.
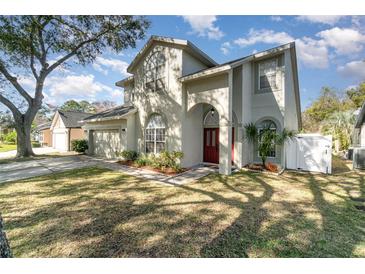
[36, 144]
[79, 145]
[129, 155]
[168, 159]
[10, 138]
[142, 160]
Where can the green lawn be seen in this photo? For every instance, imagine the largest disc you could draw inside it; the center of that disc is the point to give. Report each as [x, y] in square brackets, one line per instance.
[5, 148]
[96, 212]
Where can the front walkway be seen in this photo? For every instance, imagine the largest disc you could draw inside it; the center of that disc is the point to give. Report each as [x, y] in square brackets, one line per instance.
[183, 178]
[23, 170]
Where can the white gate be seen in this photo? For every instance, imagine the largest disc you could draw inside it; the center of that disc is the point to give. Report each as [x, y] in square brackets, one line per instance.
[311, 152]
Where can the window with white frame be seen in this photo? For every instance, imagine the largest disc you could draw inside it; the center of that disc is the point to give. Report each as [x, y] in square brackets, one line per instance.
[267, 125]
[155, 72]
[155, 134]
[268, 74]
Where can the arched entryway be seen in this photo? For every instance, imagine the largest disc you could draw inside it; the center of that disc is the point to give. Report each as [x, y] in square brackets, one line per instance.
[211, 137]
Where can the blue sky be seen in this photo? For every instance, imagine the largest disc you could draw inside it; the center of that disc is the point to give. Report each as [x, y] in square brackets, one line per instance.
[330, 49]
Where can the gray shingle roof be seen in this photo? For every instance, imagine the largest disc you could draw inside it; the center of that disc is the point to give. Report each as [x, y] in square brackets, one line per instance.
[71, 118]
[112, 113]
[43, 126]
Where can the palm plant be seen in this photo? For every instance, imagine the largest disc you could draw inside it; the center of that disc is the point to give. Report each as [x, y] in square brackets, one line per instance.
[265, 138]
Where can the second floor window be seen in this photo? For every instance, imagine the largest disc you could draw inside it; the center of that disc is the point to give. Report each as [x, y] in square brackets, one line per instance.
[267, 74]
[155, 72]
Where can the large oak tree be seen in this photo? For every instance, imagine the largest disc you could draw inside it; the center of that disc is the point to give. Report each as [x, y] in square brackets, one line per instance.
[37, 45]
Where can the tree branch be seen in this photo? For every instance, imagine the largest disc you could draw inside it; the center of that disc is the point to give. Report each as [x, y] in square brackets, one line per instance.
[34, 71]
[13, 80]
[74, 51]
[10, 105]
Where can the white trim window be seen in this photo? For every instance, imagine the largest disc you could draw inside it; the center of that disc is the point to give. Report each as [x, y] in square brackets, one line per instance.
[264, 125]
[155, 134]
[268, 74]
[155, 72]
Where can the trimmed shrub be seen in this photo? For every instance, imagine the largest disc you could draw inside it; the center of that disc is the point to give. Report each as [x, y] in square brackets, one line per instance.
[168, 159]
[10, 138]
[129, 155]
[36, 144]
[142, 160]
[80, 145]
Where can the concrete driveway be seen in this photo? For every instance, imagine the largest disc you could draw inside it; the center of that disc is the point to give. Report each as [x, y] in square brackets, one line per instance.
[22, 170]
[36, 150]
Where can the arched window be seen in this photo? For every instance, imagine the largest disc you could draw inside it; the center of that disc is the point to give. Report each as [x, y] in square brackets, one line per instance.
[155, 134]
[268, 125]
[211, 119]
[154, 72]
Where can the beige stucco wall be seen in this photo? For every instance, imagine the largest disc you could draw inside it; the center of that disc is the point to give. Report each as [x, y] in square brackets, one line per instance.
[47, 137]
[77, 133]
[183, 107]
[166, 102]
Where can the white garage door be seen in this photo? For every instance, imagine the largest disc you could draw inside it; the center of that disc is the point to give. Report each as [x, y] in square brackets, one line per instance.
[311, 152]
[59, 141]
[106, 143]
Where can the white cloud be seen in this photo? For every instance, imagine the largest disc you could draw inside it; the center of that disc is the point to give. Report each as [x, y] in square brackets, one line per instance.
[323, 19]
[75, 85]
[343, 40]
[263, 36]
[225, 48]
[99, 68]
[276, 18]
[312, 52]
[27, 82]
[117, 93]
[102, 65]
[204, 26]
[354, 69]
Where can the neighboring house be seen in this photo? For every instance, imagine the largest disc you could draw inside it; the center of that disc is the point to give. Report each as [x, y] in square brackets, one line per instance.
[359, 132]
[178, 98]
[66, 127]
[43, 135]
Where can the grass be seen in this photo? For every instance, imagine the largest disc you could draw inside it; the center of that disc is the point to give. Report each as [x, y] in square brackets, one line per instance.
[5, 147]
[339, 165]
[95, 212]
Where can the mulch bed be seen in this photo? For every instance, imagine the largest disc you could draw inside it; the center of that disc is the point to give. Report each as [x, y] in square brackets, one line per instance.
[166, 171]
[259, 167]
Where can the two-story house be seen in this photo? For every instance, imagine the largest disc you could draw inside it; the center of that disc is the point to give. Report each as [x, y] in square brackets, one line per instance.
[178, 98]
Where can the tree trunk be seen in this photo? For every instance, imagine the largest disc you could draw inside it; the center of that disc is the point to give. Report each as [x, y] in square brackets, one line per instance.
[4, 244]
[24, 144]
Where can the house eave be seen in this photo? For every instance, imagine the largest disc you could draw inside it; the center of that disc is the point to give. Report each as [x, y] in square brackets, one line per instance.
[183, 43]
[206, 73]
[122, 83]
[117, 117]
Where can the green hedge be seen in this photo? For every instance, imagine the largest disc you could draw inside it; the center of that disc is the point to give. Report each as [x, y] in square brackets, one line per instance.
[79, 145]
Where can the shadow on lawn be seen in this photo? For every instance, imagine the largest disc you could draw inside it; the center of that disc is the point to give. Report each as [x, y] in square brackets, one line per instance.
[123, 216]
[294, 234]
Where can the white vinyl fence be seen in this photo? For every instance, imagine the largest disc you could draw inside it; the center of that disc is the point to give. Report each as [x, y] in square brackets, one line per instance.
[310, 152]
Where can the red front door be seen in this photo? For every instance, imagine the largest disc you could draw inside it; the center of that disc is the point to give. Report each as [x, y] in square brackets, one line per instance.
[211, 145]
